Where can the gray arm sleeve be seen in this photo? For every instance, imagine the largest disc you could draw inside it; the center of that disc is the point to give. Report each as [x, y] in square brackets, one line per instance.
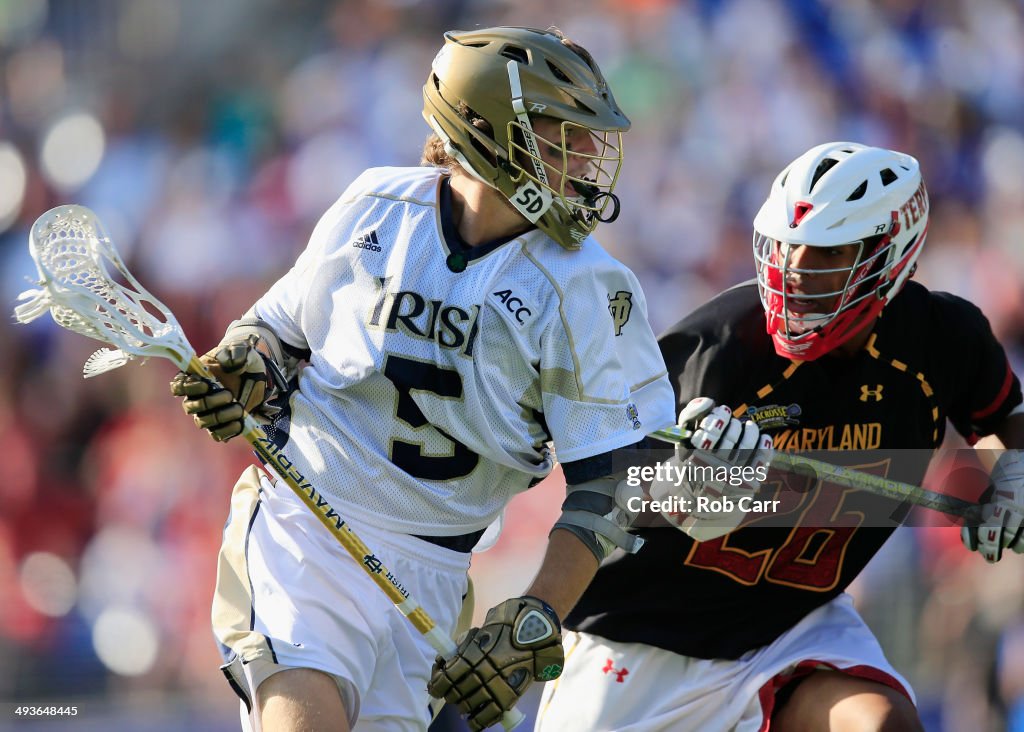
[591, 513]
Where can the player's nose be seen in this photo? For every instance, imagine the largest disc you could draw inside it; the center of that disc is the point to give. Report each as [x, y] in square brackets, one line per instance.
[582, 151]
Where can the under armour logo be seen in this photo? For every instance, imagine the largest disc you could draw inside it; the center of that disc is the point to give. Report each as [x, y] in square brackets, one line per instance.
[620, 673]
[620, 306]
[865, 392]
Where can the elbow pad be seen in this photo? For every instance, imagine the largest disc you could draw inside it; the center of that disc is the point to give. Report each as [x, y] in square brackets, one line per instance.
[598, 512]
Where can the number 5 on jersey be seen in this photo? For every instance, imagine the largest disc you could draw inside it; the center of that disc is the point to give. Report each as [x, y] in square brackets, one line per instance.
[409, 375]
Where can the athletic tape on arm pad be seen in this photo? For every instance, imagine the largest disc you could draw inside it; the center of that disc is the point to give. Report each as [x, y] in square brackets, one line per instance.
[589, 511]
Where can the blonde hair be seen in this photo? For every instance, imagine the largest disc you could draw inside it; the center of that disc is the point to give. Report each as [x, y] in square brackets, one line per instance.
[433, 149]
[435, 155]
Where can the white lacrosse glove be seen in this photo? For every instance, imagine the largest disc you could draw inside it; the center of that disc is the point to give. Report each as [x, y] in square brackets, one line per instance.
[703, 492]
[1004, 511]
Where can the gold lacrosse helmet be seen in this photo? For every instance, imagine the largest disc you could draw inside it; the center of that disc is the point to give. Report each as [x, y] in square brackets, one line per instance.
[507, 77]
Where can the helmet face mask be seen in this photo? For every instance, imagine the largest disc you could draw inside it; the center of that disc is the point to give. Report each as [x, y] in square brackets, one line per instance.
[835, 196]
[577, 166]
[487, 91]
[821, 305]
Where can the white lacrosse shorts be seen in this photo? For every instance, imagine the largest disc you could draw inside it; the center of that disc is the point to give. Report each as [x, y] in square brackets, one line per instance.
[631, 687]
[289, 595]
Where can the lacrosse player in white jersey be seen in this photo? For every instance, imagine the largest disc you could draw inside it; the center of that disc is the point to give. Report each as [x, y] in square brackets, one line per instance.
[446, 326]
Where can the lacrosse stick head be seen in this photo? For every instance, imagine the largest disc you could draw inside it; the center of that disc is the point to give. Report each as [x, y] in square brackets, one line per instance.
[87, 289]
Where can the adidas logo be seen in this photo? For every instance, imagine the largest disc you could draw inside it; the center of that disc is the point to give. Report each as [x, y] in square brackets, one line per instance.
[367, 241]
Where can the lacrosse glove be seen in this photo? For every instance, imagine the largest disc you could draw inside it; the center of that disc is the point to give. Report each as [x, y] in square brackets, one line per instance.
[1003, 511]
[519, 642]
[248, 379]
[702, 504]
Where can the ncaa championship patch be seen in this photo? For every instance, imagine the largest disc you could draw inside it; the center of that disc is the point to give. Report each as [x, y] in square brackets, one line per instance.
[773, 416]
[633, 415]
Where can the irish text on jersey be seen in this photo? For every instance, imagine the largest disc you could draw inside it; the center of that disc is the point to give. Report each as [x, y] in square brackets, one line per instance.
[419, 316]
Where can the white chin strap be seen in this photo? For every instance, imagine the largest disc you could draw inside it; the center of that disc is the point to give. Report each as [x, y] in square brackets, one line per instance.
[530, 199]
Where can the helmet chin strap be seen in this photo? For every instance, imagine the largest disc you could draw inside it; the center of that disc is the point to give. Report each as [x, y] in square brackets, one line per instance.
[530, 199]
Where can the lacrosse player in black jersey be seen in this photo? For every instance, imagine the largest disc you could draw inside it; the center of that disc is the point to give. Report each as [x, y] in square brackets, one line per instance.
[714, 627]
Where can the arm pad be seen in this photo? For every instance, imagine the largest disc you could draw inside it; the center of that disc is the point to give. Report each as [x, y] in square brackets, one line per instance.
[596, 513]
[281, 364]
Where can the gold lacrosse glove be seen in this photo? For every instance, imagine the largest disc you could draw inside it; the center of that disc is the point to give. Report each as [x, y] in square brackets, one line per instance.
[520, 642]
[246, 384]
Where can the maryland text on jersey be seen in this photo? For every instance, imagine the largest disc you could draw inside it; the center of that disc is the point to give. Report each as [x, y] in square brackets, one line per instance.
[863, 436]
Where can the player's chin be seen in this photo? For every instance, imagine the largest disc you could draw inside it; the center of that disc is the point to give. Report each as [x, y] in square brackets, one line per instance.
[798, 324]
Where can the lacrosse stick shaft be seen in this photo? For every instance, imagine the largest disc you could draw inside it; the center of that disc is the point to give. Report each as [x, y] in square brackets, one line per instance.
[315, 501]
[849, 478]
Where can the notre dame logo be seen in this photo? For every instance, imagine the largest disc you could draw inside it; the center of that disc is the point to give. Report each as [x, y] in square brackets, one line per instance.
[373, 564]
[620, 306]
[865, 393]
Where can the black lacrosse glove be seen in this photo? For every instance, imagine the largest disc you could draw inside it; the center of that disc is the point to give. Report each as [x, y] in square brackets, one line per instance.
[245, 377]
[520, 642]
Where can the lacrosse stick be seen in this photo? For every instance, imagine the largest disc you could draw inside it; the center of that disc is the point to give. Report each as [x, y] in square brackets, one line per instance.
[73, 255]
[849, 478]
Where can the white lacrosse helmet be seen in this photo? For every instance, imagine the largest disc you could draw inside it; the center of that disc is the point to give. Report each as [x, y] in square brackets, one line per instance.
[834, 195]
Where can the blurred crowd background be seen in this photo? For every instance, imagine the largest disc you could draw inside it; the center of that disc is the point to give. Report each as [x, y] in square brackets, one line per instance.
[209, 137]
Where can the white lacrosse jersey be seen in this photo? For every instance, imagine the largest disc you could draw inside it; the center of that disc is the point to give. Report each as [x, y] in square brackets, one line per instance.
[433, 396]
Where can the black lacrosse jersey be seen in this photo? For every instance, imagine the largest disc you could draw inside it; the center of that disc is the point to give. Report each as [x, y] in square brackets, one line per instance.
[931, 356]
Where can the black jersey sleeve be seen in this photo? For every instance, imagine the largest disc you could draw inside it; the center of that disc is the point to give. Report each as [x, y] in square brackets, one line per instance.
[683, 354]
[985, 388]
[705, 352]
